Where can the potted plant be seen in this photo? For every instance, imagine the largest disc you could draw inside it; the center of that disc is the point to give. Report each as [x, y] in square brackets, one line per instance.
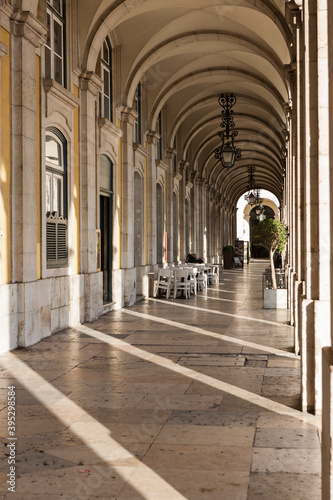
[228, 256]
[272, 235]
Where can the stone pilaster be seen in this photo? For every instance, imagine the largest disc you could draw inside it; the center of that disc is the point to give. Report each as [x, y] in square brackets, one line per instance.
[327, 429]
[128, 117]
[170, 154]
[28, 35]
[90, 84]
[199, 222]
[152, 138]
[194, 213]
[182, 221]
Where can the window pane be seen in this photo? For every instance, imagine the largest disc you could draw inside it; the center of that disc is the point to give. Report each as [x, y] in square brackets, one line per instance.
[106, 107]
[57, 195]
[106, 80]
[106, 53]
[53, 151]
[58, 69]
[57, 6]
[100, 104]
[47, 63]
[105, 173]
[48, 192]
[57, 38]
[60, 195]
[48, 41]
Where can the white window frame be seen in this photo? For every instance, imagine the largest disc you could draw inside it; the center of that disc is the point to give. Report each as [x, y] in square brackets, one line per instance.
[57, 17]
[107, 67]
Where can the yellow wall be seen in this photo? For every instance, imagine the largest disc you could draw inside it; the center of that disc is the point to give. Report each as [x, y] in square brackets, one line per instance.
[5, 169]
[77, 184]
[38, 169]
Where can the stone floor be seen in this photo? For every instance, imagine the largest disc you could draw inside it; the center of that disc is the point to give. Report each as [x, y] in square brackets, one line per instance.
[170, 399]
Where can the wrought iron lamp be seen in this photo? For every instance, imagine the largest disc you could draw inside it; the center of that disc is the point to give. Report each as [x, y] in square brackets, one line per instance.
[257, 195]
[251, 199]
[260, 212]
[251, 196]
[227, 153]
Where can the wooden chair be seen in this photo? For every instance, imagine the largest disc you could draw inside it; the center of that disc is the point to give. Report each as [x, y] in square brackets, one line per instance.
[201, 279]
[181, 282]
[164, 282]
[192, 276]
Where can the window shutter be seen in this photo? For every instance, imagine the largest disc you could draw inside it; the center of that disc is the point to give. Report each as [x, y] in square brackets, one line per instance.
[56, 241]
[51, 241]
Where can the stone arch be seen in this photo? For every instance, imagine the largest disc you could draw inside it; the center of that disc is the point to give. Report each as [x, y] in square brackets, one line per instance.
[163, 51]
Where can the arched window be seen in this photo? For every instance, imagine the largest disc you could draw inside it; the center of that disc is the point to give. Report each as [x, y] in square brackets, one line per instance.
[105, 95]
[56, 198]
[55, 46]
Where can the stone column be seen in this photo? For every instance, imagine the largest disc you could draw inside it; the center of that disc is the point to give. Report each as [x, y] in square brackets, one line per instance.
[212, 224]
[128, 117]
[199, 240]
[297, 222]
[219, 229]
[90, 84]
[27, 39]
[325, 65]
[170, 154]
[4, 51]
[229, 212]
[235, 209]
[314, 327]
[322, 306]
[152, 138]
[206, 202]
[182, 221]
[194, 213]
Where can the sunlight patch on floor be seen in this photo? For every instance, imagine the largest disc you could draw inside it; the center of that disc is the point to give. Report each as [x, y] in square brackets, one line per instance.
[64, 407]
[231, 315]
[248, 396]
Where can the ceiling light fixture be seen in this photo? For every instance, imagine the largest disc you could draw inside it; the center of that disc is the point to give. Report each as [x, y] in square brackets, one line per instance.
[227, 153]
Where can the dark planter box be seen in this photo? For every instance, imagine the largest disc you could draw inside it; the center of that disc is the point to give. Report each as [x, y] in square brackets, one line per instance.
[228, 258]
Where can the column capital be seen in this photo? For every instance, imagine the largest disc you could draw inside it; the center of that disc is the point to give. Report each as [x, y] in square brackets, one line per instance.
[200, 181]
[128, 115]
[183, 164]
[194, 175]
[26, 25]
[171, 153]
[152, 137]
[91, 81]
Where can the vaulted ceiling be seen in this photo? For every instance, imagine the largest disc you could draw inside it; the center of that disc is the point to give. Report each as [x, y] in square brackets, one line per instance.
[188, 52]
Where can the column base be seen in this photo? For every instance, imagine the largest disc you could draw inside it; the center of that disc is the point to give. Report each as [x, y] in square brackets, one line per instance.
[327, 431]
[93, 293]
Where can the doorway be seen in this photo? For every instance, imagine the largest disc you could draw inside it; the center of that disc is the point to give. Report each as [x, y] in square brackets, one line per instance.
[106, 225]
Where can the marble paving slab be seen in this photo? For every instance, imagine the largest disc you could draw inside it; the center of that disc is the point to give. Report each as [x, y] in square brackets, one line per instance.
[298, 461]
